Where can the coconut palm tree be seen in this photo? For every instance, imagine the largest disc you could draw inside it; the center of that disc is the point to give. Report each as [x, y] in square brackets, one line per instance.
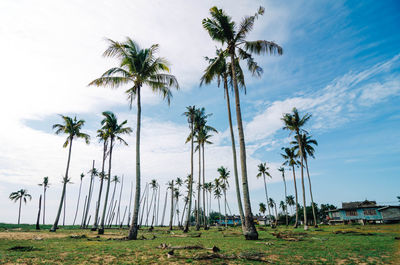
[262, 208]
[177, 194]
[290, 201]
[20, 195]
[217, 195]
[308, 150]
[262, 172]
[272, 205]
[71, 127]
[222, 29]
[190, 115]
[137, 68]
[294, 123]
[219, 69]
[103, 136]
[282, 169]
[114, 130]
[291, 161]
[154, 186]
[224, 176]
[45, 185]
[79, 196]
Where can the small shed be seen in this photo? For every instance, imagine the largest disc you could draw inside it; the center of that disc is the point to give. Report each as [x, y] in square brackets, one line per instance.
[390, 213]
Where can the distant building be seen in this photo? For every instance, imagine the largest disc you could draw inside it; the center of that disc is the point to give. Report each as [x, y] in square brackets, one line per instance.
[363, 212]
[232, 220]
[390, 213]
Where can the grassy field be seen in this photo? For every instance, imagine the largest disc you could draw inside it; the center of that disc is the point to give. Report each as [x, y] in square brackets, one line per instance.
[352, 244]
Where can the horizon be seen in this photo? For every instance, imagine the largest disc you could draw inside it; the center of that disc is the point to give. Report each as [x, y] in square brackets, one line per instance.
[338, 65]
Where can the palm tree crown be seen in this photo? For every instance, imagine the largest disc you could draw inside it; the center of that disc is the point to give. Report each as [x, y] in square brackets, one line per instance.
[71, 127]
[22, 194]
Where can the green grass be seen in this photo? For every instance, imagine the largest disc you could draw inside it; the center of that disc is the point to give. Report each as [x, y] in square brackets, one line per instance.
[317, 246]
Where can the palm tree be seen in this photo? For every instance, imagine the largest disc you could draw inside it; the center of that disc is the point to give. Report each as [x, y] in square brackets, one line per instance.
[263, 171]
[223, 176]
[190, 114]
[202, 135]
[79, 196]
[154, 187]
[290, 201]
[137, 67]
[45, 185]
[219, 69]
[217, 195]
[177, 194]
[283, 206]
[308, 150]
[68, 181]
[221, 28]
[294, 123]
[291, 161]
[71, 127]
[282, 169]
[20, 195]
[103, 137]
[114, 130]
[262, 208]
[272, 204]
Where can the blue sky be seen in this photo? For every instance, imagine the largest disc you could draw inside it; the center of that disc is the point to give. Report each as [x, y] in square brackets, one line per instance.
[341, 64]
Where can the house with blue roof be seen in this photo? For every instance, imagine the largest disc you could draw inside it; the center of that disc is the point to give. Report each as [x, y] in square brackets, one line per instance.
[356, 212]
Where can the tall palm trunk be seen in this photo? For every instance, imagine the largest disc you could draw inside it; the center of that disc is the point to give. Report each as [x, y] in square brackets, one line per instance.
[198, 192]
[286, 208]
[19, 211]
[312, 200]
[187, 222]
[249, 230]
[96, 216]
[65, 207]
[183, 213]
[171, 216]
[54, 227]
[276, 216]
[266, 196]
[297, 200]
[219, 210]
[38, 216]
[44, 204]
[226, 216]
[103, 216]
[77, 204]
[165, 206]
[204, 193]
[119, 202]
[133, 230]
[302, 180]
[130, 202]
[235, 170]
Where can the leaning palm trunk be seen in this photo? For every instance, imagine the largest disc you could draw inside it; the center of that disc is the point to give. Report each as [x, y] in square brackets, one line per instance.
[38, 216]
[312, 200]
[171, 216]
[235, 170]
[198, 193]
[219, 210]
[266, 196]
[101, 229]
[54, 227]
[96, 216]
[108, 217]
[204, 194]
[119, 202]
[226, 216]
[89, 197]
[302, 180]
[77, 203]
[133, 230]
[165, 206]
[297, 201]
[187, 222]
[249, 230]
